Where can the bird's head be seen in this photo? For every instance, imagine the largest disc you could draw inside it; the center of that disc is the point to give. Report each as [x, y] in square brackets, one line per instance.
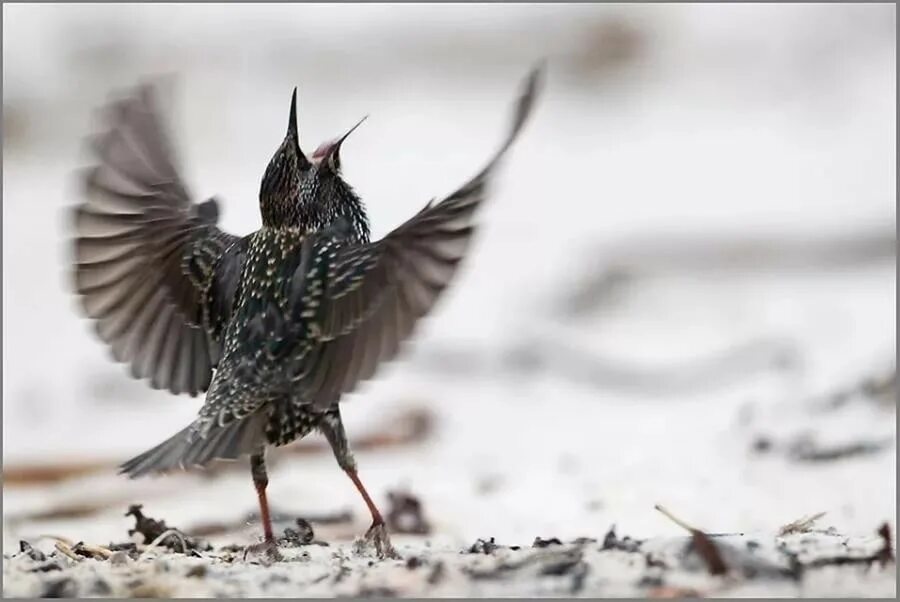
[280, 188]
[310, 193]
[326, 197]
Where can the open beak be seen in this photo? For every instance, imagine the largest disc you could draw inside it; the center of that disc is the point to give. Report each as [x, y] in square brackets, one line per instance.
[329, 152]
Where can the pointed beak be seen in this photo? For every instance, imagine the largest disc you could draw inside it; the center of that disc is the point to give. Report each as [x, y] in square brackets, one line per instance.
[332, 149]
[292, 119]
[292, 133]
[337, 145]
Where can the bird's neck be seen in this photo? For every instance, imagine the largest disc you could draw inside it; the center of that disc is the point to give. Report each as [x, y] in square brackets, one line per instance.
[346, 216]
[279, 213]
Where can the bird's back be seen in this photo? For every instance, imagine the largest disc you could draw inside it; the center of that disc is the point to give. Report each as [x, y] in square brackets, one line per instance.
[260, 337]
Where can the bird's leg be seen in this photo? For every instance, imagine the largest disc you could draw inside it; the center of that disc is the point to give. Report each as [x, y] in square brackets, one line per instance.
[261, 481]
[333, 428]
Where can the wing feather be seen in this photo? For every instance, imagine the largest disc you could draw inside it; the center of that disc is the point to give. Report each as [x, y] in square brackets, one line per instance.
[148, 261]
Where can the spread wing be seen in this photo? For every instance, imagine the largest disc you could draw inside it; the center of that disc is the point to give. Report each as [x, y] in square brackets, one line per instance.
[376, 293]
[150, 266]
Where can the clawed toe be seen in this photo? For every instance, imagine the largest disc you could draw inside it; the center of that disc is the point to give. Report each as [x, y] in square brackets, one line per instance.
[378, 536]
[268, 550]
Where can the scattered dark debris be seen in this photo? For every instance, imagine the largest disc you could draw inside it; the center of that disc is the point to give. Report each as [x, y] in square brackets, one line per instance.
[34, 554]
[701, 544]
[405, 514]
[413, 562]
[886, 554]
[148, 527]
[232, 547]
[437, 573]
[483, 546]
[46, 567]
[752, 545]
[129, 548]
[151, 529]
[583, 541]
[556, 563]
[722, 558]
[801, 525]
[543, 543]
[263, 553]
[806, 450]
[626, 544]
[652, 562]
[301, 536]
[198, 571]
[883, 556]
[60, 588]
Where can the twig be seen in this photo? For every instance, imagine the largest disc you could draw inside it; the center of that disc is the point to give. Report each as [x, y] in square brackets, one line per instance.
[65, 549]
[673, 518]
[162, 537]
[93, 550]
[702, 543]
[801, 525]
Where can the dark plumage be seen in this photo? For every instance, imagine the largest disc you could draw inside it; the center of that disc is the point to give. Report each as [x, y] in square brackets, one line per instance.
[277, 325]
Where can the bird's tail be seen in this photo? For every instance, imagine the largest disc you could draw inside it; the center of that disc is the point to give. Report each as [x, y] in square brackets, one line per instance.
[188, 448]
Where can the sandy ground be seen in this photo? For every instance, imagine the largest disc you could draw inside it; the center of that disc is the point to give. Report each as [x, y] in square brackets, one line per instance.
[690, 302]
[657, 568]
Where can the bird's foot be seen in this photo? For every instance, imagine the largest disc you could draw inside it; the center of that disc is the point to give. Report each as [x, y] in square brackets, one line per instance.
[266, 551]
[378, 536]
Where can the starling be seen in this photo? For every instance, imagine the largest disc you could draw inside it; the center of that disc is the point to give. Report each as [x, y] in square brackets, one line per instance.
[275, 326]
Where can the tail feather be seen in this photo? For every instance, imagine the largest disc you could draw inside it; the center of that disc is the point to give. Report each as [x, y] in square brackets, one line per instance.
[185, 449]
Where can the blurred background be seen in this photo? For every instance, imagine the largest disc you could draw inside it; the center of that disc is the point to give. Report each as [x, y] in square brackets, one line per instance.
[683, 290]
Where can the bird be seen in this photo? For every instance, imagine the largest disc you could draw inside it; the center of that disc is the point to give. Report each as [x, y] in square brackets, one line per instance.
[275, 327]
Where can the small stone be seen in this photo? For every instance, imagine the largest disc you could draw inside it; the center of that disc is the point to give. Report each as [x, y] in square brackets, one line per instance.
[483, 546]
[543, 543]
[36, 555]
